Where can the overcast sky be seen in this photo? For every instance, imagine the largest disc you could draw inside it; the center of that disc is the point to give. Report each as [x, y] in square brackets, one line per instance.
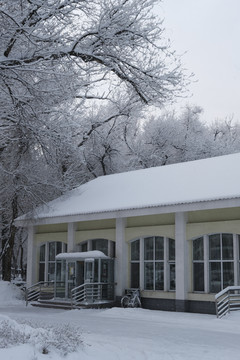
[209, 31]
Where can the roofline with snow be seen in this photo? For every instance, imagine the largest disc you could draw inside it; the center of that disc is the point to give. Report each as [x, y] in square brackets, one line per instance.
[164, 209]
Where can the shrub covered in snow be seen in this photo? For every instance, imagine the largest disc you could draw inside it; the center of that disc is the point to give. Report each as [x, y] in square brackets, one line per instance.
[58, 338]
[10, 293]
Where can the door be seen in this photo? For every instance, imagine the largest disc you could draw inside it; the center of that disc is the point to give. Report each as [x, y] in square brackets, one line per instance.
[107, 279]
[79, 273]
[89, 271]
[89, 279]
[71, 277]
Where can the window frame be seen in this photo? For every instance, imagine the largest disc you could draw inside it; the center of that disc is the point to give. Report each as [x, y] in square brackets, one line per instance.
[165, 261]
[235, 261]
[198, 261]
[110, 246]
[47, 262]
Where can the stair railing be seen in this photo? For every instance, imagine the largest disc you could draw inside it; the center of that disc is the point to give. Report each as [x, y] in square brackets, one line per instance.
[227, 300]
[42, 289]
[92, 293]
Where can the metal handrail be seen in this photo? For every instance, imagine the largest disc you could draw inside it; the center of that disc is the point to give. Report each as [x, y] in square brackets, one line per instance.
[35, 291]
[227, 300]
[87, 293]
[32, 293]
[90, 293]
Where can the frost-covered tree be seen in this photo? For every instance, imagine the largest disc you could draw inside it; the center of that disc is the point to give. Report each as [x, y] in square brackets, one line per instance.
[103, 149]
[171, 138]
[192, 137]
[101, 43]
[226, 136]
[153, 144]
[59, 59]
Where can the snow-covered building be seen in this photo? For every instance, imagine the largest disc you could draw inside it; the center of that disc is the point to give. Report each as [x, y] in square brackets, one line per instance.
[172, 232]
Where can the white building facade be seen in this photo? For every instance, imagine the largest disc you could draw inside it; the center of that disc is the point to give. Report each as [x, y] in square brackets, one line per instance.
[172, 231]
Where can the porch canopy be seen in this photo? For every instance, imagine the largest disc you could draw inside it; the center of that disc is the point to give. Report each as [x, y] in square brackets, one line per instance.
[77, 256]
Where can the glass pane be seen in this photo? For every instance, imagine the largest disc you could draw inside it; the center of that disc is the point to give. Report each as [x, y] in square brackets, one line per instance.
[135, 250]
[101, 245]
[113, 250]
[89, 271]
[135, 275]
[198, 277]
[198, 249]
[51, 271]
[96, 270]
[111, 270]
[41, 271]
[148, 248]
[159, 248]
[148, 276]
[70, 286]
[172, 277]
[60, 274]
[42, 253]
[215, 277]
[59, 247]
[60, 284]
[171, 244]
[227, 246]
[238, 236]
[159, 276]
[214, 247]
[228, 274]
[79, 273]
[105, 273]
[84, 247]
[51, 255]
[71, 271]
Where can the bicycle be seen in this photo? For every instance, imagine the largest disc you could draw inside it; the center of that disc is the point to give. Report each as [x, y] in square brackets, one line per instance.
[131, 299]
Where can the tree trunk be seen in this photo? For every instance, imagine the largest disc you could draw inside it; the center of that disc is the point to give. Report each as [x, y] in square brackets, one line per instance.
[8, 243]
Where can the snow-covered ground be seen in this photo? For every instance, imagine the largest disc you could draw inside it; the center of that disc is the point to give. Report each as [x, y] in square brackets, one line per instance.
[30, 333]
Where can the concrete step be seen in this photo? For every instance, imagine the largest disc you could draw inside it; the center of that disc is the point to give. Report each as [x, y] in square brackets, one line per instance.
[52, 304]
[66, 305]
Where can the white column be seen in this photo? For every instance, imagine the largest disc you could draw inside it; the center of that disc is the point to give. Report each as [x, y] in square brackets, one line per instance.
[121, 257]
[31, 257]
[71, 236]
[181, 260]
[166, 265]
[235, 257]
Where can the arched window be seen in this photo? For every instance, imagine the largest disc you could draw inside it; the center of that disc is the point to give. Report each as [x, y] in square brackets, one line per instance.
[153, 263]
[198, 264]
[101, 245]
[214, 256]
[104, 245]
[221, 269]
[48, 266]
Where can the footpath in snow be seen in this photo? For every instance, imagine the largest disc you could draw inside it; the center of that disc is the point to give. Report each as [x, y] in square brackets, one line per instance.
[30, 333]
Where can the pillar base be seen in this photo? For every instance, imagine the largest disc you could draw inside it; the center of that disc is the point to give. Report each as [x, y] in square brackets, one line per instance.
[181, 305]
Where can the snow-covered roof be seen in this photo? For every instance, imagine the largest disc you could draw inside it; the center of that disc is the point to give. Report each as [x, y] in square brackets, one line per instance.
[194, 181]
[93, 254]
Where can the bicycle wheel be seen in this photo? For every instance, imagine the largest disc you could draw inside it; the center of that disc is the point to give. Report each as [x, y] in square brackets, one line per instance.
[125, 301]
[137, 302]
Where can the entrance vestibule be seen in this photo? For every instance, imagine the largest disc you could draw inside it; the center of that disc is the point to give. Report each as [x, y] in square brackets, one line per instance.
[82, 268]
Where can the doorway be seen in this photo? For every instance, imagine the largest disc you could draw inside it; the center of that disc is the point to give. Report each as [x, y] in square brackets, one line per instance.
[85, 268]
